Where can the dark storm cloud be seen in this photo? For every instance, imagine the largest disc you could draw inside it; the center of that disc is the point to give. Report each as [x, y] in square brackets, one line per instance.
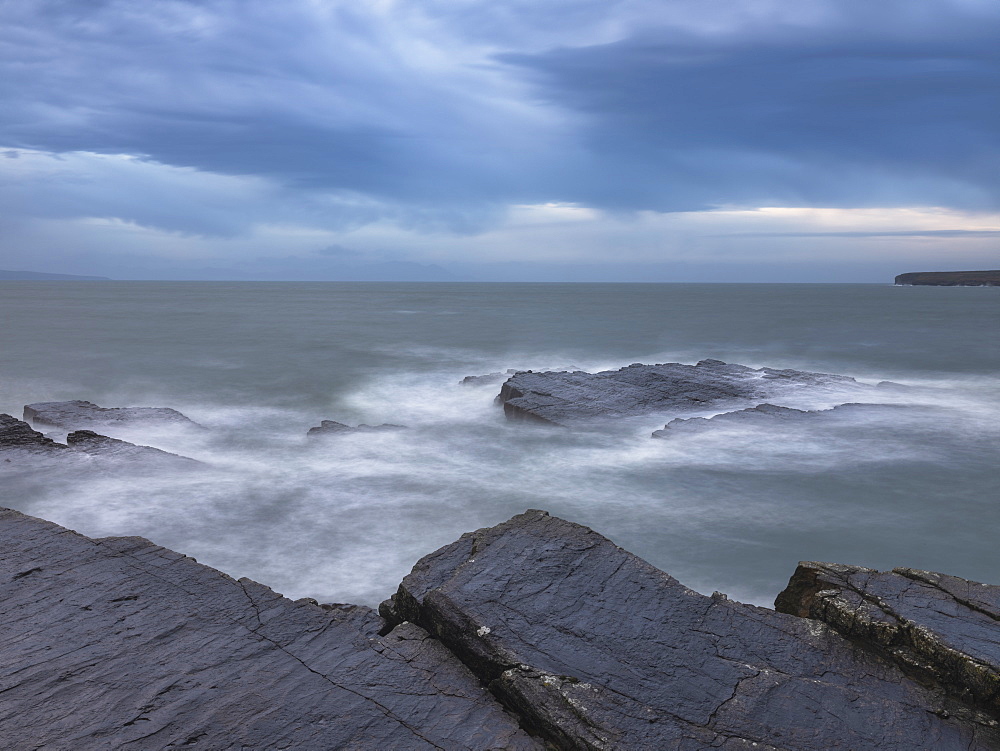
[434, 113]
[893, 105]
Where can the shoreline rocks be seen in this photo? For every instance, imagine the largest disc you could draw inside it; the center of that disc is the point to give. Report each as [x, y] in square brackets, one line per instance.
[332, 427]
[566, 398]
[764, 414]
[79, 414]
[534, 634]
[17, 435]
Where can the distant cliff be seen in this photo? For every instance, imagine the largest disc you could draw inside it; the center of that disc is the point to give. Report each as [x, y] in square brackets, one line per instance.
[952, 278]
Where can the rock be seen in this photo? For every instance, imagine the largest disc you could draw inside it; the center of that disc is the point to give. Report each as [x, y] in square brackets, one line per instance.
[332, 427]
[77, 414]
[596, 649]
[118, 643]
[15, 434]
[951, 278]
[99, 445]
[765, 414]
[563, 398]
[474, 380]
[940, 629]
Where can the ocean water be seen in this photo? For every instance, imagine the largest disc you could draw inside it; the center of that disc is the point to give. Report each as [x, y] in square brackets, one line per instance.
[344, 519]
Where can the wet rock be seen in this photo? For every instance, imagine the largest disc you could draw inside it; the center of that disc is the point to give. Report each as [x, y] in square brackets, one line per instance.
[111, 448]
[769, 414]
[18, 435]
[941, 629]
[118, 643]
[475, 380]
[564, 398]
[595, 649]
[78, 414]
[332, 427]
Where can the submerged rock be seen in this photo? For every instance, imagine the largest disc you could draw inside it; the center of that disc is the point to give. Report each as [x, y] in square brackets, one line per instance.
[475, 380]
[563, 398]
[940, 629]
[77, 414]
[118, 643]
[100, 445]
[596, 649]
[332, 427]
[766, 414]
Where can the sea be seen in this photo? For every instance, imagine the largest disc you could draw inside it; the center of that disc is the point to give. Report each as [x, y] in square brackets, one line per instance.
[344, 518]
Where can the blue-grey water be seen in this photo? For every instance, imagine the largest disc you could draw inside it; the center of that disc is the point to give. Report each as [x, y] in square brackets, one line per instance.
[344, 519]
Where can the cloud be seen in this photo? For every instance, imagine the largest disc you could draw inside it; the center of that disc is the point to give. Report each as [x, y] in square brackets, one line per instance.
[879, 104]
[465, 131]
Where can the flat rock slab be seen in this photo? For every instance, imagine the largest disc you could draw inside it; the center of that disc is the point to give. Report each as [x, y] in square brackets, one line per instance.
[112, 448]
[565, 398]
[596, 649]
[332, 427]
[118, 643]
[771, 414]
[76, 414]
[938, 628]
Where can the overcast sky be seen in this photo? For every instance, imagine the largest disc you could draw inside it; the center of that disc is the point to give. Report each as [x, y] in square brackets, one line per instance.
[576, 140]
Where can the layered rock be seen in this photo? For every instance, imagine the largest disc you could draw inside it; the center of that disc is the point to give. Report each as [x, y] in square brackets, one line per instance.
[941, 629]
[332, 427]
[951, 278]
[767, 414]
[595, 649]
[18, 435]
[564, 398]
[76, 414]
[112, 448]
[118, 643]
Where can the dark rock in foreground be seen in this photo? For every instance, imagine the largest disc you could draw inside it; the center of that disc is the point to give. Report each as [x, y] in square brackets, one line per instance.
[941, 629]
[77, 414]
[118, 643]
[563, 398]
[100, 445]
[765, 414]
[332, 427]
[595, 649]
[951, 278]
[538, 622]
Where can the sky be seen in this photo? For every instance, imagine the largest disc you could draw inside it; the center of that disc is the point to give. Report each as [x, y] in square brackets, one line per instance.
[500, 140]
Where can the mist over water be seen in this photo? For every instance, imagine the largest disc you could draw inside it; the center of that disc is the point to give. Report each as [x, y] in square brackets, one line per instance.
[344, 518]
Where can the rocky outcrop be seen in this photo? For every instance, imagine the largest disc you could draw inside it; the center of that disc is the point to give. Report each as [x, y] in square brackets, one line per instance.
[332, 427]
[76, 414]
[118, 643]
[941, 629]
[596, 649]
[951, 278]
[767, 414]
[534, 634]
[18, 435]
[564, 398]
[476, 380]
[111, 448]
